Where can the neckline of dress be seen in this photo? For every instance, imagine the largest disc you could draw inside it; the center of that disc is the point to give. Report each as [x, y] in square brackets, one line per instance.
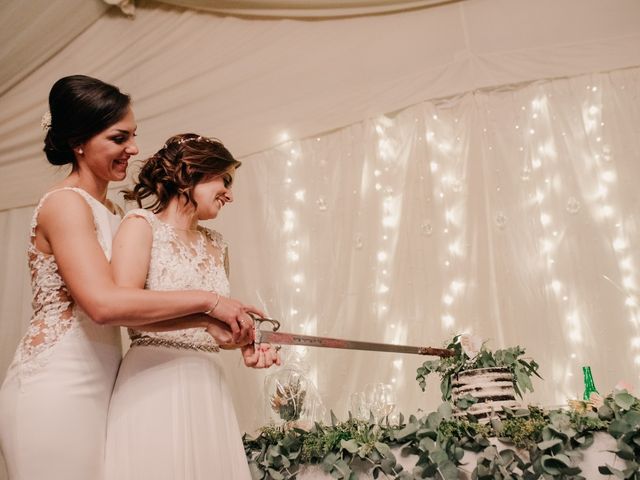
[199, 229]
[115, 214]
[200, 242]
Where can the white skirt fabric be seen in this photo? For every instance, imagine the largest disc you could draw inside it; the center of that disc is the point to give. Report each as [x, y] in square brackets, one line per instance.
[53, 418]
[172, 417]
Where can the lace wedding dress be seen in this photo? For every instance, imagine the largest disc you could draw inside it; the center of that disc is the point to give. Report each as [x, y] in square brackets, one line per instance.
[171, 414]
[55, 397]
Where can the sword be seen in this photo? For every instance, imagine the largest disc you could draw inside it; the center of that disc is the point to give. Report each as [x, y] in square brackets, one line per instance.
[283, 338]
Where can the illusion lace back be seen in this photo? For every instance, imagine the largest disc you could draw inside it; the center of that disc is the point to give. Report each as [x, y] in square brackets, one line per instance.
[54, 311]
[55, 396]
[176, 265]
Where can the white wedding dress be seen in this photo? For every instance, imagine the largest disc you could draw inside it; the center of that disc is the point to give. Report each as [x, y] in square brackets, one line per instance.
[171, 415]
[55, 397]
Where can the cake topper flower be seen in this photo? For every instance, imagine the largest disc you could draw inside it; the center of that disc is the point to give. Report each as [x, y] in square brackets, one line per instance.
[471, 345]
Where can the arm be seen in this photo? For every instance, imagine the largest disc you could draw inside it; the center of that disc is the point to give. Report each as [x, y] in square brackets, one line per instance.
[66, 222]
[220, 331]
[130, 266]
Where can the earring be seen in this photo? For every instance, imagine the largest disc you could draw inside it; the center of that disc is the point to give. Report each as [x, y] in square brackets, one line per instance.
[80, 152]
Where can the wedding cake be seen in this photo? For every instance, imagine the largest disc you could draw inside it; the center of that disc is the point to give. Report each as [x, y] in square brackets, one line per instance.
[491, 387]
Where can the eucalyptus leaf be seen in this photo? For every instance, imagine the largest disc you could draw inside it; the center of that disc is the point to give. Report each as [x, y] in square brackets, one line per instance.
[623, 400]
[609, 470]
[625, 451]
[555, 465]
[334, 419]
[407, 431]
[605, 412]
[384, 450]
[546, 445]
[448, 470]
[276, 475]
[632, 417]
[350, 446]
[445, 410]
[619, 427]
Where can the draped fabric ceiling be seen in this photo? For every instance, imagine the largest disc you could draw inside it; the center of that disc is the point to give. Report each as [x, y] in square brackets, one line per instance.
[250, 81]
[342, 180]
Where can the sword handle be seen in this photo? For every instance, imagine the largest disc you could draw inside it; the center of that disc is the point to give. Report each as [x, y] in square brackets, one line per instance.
[258, 321]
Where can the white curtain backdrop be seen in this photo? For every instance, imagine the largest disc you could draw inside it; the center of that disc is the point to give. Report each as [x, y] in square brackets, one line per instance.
[15, 290]
[511, 214]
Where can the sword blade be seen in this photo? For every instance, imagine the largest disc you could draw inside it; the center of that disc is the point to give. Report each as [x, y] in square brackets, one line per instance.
[284, 338]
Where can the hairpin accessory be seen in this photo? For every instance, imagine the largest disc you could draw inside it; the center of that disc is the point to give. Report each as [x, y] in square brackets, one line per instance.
[190, 139]
[45, 122]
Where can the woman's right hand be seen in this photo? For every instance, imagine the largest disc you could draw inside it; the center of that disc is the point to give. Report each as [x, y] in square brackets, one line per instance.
[234, 314]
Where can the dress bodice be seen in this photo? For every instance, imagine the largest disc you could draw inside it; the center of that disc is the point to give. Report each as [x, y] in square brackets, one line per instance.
[54, 311]
[177, 265]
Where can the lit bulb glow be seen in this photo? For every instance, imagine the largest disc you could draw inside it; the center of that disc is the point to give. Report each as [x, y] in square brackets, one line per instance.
[448, 321]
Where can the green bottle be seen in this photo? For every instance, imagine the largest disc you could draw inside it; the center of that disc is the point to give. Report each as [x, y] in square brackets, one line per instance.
[589, 386]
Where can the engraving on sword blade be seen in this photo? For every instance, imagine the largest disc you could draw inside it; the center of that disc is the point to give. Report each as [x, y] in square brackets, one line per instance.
[323, 342]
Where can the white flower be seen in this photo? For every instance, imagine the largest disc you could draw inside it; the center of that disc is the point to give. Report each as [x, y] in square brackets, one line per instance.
[471, 345]
[45, 122]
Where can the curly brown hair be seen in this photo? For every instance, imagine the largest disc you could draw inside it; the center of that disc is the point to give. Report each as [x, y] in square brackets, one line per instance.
[184, 161]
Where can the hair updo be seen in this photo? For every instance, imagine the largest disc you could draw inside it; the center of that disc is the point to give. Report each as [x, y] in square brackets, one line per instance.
[183, 162]
[80, 107]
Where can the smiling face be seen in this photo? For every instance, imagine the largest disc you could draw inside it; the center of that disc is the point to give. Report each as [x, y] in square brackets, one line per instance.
[212, 194]
[107, 153]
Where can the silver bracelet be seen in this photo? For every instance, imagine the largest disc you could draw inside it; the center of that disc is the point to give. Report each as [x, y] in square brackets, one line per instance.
[208, 312]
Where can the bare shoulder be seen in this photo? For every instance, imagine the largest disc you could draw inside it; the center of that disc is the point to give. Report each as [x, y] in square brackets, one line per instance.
[64, 206]
[64, 216]
[134, 227]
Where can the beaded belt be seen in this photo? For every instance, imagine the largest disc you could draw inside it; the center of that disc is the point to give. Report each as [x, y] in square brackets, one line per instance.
[162, 342]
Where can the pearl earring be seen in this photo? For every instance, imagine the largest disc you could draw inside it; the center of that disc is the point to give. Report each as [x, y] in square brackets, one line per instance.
[80, 152]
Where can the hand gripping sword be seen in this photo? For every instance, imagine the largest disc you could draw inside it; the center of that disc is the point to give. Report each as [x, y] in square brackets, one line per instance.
[275, 337]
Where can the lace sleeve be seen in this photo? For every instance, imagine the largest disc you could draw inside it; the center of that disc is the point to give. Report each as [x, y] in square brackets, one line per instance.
[141, 213]
[219, 247]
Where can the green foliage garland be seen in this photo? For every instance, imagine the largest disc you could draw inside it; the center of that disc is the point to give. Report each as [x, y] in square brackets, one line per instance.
[546, 444]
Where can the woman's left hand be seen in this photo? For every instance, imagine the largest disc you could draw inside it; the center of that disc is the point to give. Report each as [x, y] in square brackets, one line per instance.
[261, 356]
